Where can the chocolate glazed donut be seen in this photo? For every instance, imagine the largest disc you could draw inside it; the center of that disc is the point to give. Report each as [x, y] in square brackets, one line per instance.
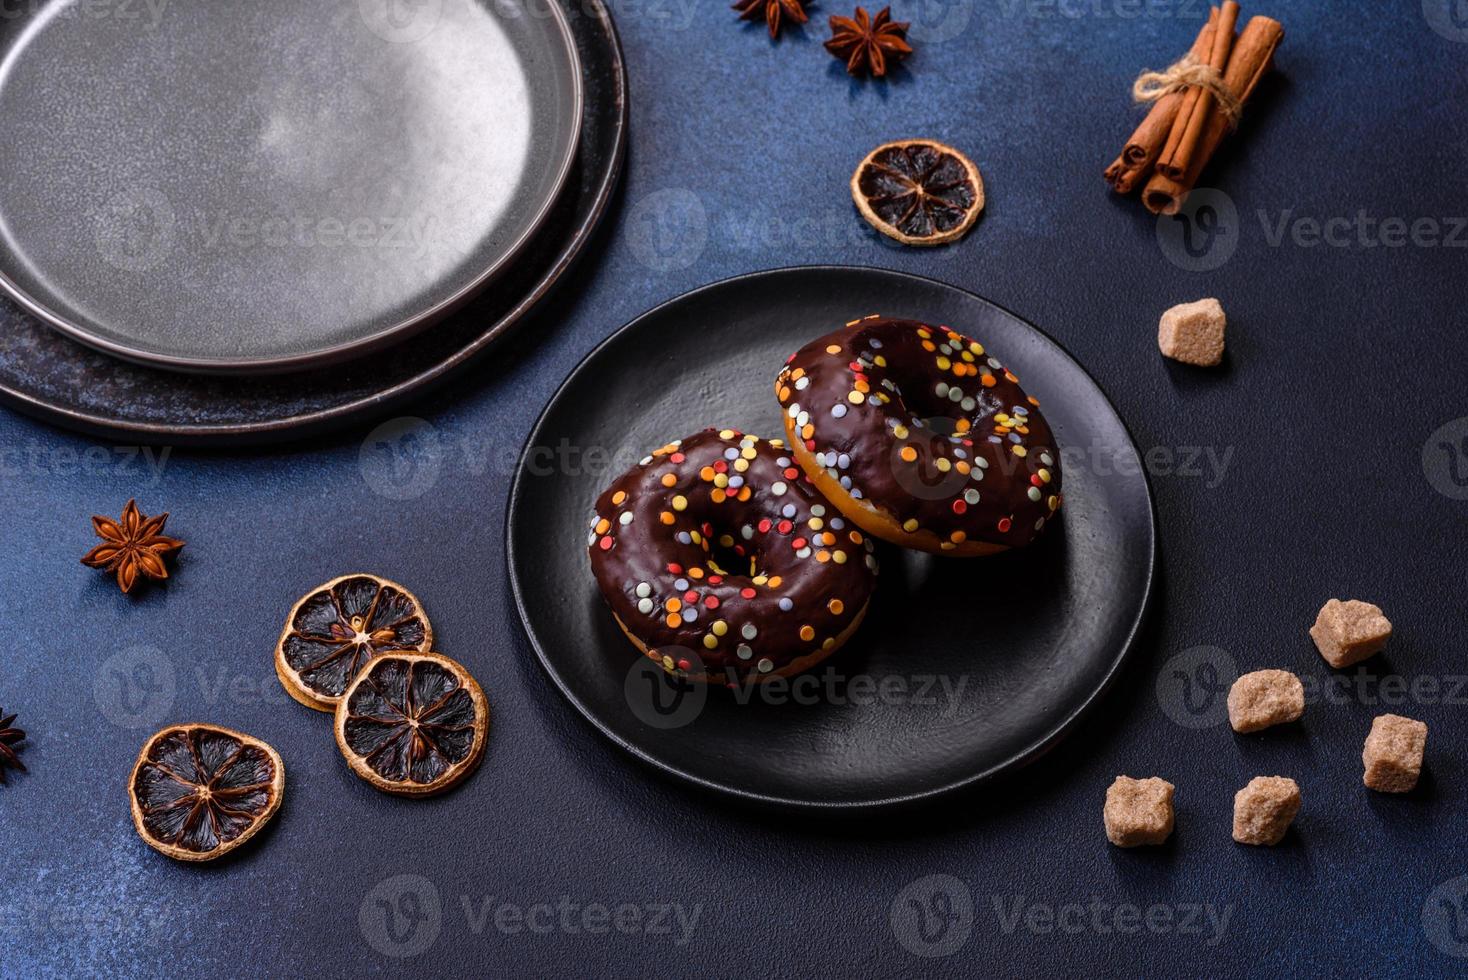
[921, 437]
[723, 563]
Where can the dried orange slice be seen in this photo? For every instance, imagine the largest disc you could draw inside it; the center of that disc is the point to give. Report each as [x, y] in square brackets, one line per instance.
[413, 724]
[340, 626]
[919, 192]
[200, 791]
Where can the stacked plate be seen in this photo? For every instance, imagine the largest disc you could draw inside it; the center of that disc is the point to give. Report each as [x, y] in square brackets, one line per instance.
[221, 222]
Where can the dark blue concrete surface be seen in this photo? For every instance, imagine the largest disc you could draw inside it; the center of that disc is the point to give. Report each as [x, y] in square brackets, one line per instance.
[1331, 476]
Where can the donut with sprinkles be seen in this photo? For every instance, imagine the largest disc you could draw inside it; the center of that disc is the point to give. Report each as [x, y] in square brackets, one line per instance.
[722, 562]
[921, 437]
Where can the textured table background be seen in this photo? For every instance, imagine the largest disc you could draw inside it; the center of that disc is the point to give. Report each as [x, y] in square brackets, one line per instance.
[1312, 465]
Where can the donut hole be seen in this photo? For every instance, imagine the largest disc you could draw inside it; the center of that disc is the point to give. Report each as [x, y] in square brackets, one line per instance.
[734, 560]
[934, 425]
[929, 424]
[946, 408]
[723, 550]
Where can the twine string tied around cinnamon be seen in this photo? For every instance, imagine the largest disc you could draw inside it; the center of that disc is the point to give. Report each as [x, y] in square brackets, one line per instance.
[1185, 73]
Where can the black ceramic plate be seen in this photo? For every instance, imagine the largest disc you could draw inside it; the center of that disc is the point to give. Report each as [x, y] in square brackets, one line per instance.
[271, 185]
[963, 668]
[45, 374]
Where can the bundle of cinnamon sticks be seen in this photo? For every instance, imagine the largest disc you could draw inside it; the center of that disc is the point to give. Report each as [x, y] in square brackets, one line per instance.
[1195, 103]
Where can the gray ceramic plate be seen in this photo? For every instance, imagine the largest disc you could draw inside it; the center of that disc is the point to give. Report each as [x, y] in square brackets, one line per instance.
[1038, 634]
[43, 373]
[265, 186]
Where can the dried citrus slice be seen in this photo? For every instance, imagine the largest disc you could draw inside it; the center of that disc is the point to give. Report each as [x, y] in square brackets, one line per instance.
[412, 724]
[919, 192]
[200, 791]
[340, 626]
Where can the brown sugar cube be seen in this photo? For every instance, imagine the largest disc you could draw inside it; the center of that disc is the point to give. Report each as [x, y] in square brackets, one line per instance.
[1393, 753]
[1349, 632]
[1264, 698]
[1193, 333]
[1138, 811]
[1264, 809]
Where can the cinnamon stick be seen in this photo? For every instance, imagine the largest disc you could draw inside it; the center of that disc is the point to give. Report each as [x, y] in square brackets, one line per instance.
[1252, 58]
[1187, 127]
[1146, 143]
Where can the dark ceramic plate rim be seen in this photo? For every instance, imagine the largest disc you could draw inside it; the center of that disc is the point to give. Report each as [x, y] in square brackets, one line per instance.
[301, 425]
[348, 350]
[1019, 759]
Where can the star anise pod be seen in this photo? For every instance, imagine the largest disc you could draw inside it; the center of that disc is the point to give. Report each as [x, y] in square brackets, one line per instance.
[867, 43]
[772, 11]
[132, 546]
[8, 738]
